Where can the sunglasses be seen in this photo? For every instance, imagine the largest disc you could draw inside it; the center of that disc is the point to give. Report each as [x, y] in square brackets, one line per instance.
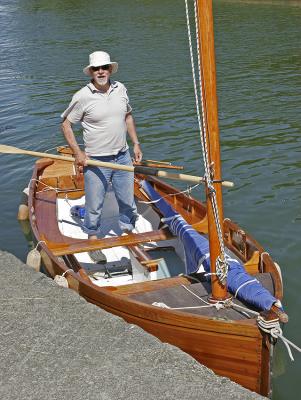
[103, 67]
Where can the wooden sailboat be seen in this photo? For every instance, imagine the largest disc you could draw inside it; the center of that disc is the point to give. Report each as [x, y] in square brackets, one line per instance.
[144, 279]
[141, 275]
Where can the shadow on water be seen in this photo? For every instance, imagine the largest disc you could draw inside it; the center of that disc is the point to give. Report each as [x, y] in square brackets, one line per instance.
[28, 235]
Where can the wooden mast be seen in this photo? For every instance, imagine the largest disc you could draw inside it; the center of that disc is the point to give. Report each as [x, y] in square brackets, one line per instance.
[207, 55]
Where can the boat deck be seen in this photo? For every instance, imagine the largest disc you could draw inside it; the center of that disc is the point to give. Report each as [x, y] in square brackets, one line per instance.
[185, 298]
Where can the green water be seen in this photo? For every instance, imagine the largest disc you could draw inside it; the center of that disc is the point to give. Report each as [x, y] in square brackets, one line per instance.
[45, 45]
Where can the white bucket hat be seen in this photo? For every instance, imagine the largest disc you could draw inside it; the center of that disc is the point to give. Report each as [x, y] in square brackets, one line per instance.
[99, 58]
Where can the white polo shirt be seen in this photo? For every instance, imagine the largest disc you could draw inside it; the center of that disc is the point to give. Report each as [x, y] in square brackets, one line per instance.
[102, 116]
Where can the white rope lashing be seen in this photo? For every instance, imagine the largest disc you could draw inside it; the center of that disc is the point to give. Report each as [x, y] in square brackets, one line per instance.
[273, 328]
[243, 285]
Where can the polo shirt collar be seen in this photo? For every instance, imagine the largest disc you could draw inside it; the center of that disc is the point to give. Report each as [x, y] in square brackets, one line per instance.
[113, 85]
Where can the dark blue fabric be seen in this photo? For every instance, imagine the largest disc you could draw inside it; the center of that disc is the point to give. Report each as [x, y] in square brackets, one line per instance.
[78, 211]
[197, 255]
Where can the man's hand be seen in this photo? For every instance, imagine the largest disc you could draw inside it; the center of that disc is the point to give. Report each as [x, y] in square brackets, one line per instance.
[80, 160]
[80, 156]
[137, 152]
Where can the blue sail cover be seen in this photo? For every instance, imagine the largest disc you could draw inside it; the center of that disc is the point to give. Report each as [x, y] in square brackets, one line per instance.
[198, 259]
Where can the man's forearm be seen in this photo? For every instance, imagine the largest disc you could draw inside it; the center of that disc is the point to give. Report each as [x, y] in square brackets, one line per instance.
[131, 128]
[70, 137]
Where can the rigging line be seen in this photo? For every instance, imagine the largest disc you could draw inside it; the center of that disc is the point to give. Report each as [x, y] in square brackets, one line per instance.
[203, 132]
[221, 263]
[226, 303]
[244, 284]
[46, 188]
[218, 305]
[193, 72]
[49, 188]
[163, 305]
[67, 200]
[200, 88]
[198, 93]
[194, 294]
[190, 188]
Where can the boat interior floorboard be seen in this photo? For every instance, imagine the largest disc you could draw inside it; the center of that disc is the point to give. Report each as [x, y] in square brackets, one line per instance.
[179, 296]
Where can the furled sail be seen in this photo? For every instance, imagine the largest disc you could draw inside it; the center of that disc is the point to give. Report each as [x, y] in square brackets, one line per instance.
[196, 246]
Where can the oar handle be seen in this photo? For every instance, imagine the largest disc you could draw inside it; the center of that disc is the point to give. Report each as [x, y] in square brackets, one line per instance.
[179, 177]
[189, 178]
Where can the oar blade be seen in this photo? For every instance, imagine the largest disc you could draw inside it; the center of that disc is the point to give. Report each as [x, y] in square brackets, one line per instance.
[10, 149]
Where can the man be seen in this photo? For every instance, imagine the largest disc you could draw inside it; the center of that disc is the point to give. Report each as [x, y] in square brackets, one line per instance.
[103, 109]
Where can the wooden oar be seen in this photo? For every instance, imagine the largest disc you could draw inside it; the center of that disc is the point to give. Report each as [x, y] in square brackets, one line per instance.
[138, 170]
[146, 163]
[162, 164]
[157, 164]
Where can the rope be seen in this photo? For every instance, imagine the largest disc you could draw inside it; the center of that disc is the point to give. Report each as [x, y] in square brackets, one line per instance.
[188, 190]
[163, 305]
[66, 199]
[273, 328]
[218, 305]
[195, 295]
[221, 264]
[244, 284]
[244, 309]
[194, 75]
[261, 260]
[40, 241]
[68, 270]
[201, 119]
[56, 189]
[50, 148]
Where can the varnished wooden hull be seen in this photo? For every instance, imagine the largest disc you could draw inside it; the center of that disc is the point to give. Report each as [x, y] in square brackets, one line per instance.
[235, 349]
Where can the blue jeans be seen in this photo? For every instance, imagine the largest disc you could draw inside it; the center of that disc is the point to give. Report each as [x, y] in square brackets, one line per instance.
[96, 184]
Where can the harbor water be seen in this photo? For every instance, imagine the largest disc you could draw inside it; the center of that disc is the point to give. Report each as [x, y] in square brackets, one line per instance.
[44, 47]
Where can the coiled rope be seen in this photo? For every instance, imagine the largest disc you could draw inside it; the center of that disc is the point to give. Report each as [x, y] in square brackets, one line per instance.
[273, 328]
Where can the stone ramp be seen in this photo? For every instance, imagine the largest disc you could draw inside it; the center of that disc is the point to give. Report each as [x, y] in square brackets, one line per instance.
[55, 345]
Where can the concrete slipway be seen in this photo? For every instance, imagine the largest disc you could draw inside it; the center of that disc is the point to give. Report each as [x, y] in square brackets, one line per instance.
[55, 345]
